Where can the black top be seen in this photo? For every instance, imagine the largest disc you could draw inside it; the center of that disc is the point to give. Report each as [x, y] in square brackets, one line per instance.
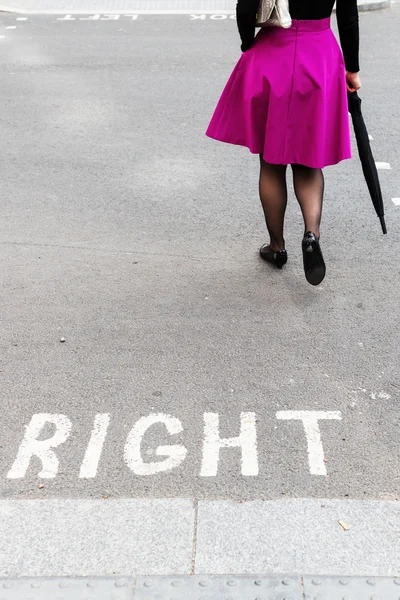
[347, 19]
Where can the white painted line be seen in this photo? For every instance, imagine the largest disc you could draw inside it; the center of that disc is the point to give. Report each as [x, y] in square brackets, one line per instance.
[93, 452]
[221, 16]
[396, 201]
[383, 166]
[310, 420]
[174, 454]
[11, 27]
[90, 18]
[2, 37]
[31, 446]
[247, 441]
[41, 454]
[22, 18]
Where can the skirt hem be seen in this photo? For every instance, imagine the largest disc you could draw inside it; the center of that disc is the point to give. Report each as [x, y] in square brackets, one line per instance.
[274, 161]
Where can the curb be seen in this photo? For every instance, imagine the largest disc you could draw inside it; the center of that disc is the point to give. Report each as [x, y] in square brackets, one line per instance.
[362, 7]
[379, 5]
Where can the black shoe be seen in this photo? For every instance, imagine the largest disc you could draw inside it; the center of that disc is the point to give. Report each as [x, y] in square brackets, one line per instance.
[314, 265]
[275, 257]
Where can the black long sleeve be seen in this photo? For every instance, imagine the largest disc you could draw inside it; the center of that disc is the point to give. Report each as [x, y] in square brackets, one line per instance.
[347, 19]
[246, 14]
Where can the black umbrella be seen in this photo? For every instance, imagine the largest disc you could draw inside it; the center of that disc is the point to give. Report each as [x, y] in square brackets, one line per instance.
[367, 160]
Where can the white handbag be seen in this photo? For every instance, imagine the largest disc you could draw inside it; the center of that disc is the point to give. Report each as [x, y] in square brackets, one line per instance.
[273, 13]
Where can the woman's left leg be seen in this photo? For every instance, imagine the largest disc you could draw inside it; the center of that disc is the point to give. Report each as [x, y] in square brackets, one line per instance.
[309, 189]
[273, 196]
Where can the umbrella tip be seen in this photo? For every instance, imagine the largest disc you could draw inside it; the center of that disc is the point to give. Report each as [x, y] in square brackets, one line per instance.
[383, 224]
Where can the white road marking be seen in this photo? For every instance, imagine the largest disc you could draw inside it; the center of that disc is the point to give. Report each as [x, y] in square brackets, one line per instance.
[381, 395]
[396, 201]
[42, 449]
[310, 420]
[220, 16]
[34, 446]
[383, 165]
[22, 18]
[95, 447]
[99, 17]
[175, 454]
[2, 37]
[247, 441]
[11, 27]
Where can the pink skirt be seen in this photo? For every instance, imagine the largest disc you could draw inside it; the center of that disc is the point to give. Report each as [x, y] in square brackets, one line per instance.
[286, 98]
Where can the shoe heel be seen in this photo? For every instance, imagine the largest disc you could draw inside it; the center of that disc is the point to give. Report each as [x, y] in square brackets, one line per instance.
[280, 259]
[314, 264]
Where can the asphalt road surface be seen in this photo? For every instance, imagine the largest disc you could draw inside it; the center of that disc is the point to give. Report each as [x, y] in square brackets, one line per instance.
[130, 235]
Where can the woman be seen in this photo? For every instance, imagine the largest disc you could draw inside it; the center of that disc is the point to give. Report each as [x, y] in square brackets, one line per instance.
[286, 100]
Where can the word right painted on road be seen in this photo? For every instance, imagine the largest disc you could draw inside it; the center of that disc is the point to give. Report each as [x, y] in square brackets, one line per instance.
[37, 449]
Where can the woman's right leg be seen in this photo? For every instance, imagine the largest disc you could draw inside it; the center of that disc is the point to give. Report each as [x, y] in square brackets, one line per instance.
[309, 190]
[273, 196]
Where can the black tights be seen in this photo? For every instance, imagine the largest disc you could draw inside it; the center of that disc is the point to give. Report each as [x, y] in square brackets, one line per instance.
[309, 189]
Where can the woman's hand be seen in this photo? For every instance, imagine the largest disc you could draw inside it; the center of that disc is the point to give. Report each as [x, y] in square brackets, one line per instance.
[353, 81]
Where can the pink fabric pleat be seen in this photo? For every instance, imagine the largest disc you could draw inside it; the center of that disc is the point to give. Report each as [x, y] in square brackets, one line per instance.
[287, 98]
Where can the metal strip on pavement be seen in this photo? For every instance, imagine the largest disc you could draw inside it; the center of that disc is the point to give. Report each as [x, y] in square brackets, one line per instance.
[248, 587]
[349, 588]
[67, 589]
[273, 587]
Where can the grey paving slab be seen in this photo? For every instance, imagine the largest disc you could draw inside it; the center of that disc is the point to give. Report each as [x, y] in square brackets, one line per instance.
[118, 6]
[61, 588]
[347, 588]
[299, 536]
[219, 588]
[95, 538]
